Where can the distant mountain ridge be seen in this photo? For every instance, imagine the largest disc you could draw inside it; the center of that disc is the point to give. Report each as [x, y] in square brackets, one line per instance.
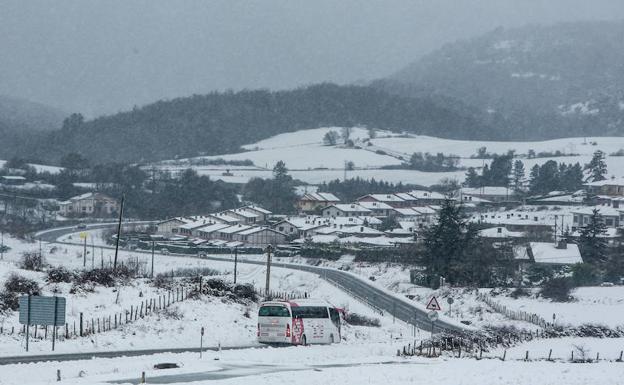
[19, 114]
[533, 82]
[221, 122]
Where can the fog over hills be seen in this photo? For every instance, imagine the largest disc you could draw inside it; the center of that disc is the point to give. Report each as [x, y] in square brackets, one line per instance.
[537, 81]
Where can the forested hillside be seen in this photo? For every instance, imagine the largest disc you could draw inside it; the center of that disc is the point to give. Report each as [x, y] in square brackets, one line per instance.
[219, 123]
[534, 82]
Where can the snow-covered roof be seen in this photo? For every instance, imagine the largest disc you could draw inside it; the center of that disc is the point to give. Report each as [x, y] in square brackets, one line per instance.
[254, 230]
[318, 238]
[569, 198]
[222, 217]
[407, 212]
[602, 210]
[360, 230]
[376, 241]
[13, 177]
[487, 190]
[383, 197]
[258, 209]
[351, 207]
[424, 210]
[375, 205]
[406, 196]
[321, 197]
[234, 229]
[243, 213]
[196, 224]
[212, 228]
[546, 252]
[500, 232]
[606, 182]
[423, 194]
[399, 231]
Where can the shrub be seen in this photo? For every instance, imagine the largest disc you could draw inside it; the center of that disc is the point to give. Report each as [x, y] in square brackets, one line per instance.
[32, 261]
[245, 291]
[558, 289]
[15, 286]
[21, 285]
[60, 274]
[217, 284]
[519, 292]
[584, 274]
[162, 281]
[105, 277]
[361, 320]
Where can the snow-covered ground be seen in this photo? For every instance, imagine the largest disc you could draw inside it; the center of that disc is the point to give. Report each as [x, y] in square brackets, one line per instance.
[227, 320]
[311, 161]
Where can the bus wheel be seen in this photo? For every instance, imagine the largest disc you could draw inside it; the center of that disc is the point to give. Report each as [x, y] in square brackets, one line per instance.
[304, 341]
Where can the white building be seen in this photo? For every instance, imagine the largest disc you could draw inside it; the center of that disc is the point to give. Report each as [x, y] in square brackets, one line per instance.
[346, 210]
[89, 204]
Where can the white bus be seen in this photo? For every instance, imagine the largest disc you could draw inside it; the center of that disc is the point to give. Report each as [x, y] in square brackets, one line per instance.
[298, 322]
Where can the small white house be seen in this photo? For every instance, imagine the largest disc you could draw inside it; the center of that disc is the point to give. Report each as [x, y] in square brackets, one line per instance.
[346, 210]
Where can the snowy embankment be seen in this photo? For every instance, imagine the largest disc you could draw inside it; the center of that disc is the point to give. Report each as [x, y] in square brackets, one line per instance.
[309, 160]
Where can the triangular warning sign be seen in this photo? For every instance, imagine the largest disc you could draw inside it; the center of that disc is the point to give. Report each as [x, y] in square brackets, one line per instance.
[433, 304]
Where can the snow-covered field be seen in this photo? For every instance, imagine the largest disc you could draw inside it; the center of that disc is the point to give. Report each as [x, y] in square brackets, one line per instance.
[311, 161]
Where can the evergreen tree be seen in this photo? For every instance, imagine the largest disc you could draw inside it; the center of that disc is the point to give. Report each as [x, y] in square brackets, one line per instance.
[592, 242]
[597, 167]
[449, 245]
[280, 172]
[472, 178]
[330, 138]
[518, 176]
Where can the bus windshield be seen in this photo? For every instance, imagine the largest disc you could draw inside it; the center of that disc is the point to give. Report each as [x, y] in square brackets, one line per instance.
[310, 312]
[273, 311]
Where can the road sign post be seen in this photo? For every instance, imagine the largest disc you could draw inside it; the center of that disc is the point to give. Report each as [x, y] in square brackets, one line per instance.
[450, 301]
[201, 342]
[268, 271]
[433, 317]
[40, 310]
[433, 304]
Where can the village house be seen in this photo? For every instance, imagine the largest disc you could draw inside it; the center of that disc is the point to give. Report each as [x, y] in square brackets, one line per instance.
[611, 187]
[171, 225]
[261, 236]
[427, 198]
[490, 193]
[378, 209]
[581, 217]
[346, 210]
[89, 204]
[311, 202]
[389, 199]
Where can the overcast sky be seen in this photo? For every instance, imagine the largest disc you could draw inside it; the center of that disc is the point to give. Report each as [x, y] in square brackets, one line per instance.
[104, 56]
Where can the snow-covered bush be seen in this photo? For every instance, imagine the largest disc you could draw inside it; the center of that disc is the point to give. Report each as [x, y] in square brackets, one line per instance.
[32, 261]
[558, 289]
[356, 319]
[60, 274]
[15, 286]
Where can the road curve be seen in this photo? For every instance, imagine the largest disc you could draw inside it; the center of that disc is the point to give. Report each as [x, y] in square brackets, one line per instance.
[359, 288]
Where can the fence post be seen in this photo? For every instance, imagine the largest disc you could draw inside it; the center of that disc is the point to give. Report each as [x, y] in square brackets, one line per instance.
[81, 329]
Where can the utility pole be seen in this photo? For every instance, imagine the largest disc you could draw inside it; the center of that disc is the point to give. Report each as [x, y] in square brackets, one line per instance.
[152, 273]
[1, 244]
[235, 262]
[84, 250]
[268, 271]
[118, 232]
[92, 253]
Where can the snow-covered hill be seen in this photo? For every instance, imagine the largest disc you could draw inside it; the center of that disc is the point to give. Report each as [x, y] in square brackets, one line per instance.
[310, 160]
